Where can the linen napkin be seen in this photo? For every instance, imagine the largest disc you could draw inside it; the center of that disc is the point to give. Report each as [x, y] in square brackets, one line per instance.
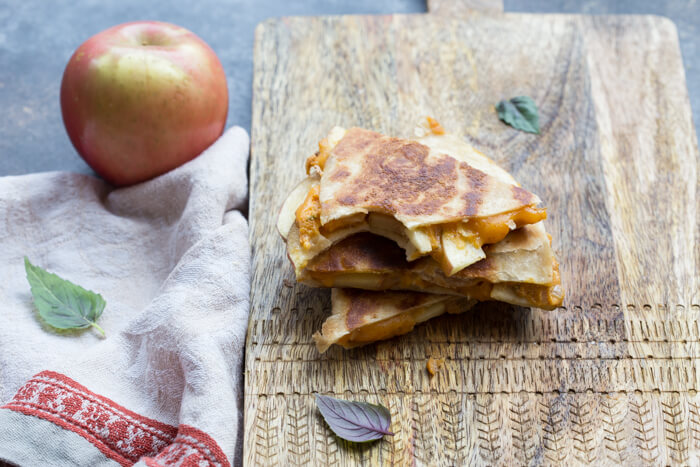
[171, 258]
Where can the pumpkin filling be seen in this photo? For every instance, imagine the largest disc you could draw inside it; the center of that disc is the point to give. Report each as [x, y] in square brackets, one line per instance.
[395, 326]
[308, 217]
[446, 240]
[325, 146]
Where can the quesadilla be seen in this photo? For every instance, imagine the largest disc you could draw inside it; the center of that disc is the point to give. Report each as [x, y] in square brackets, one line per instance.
[403, 230]
[361, 317]
[521, 270]
[434, 195]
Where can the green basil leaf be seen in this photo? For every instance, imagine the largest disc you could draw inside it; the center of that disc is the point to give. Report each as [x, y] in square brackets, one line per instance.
[355, 421]
[61, 303]
[520, 113]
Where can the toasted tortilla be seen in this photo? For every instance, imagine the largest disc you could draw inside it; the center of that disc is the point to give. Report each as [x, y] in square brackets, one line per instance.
[520, 270]
[360, 317]
[369, 172]
[433, 196]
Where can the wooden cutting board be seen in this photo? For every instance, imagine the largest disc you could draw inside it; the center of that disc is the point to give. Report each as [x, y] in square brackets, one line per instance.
[609, 378]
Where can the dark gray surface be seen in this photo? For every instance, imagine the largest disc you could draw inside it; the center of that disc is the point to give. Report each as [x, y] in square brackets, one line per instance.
[37, 38]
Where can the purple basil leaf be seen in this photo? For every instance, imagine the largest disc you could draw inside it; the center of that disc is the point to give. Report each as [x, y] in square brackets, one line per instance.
[354, 421]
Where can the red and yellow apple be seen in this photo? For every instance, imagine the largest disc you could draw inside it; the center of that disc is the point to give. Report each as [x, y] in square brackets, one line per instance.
[142, 98]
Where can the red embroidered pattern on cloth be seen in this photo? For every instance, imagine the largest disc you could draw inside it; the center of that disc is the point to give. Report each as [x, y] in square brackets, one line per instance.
[189, 449]
[118, 433]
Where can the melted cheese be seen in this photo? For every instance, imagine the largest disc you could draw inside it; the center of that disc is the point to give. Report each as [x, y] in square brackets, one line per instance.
[325, 146]
[495, 228]
[434, 364]
[461, 242]
[308, 217]
[394, 326]
[480, 291]
[544, 296]
[391, 327]
[541, 296]
[435, 126]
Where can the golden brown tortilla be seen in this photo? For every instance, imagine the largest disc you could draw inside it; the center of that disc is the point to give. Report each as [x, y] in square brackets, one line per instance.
[360, 317]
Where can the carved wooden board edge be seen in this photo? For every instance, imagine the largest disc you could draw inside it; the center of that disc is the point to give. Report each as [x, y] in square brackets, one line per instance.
[631, 428]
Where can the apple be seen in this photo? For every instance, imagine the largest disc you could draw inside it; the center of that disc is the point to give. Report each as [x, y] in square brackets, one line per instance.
[142, 98]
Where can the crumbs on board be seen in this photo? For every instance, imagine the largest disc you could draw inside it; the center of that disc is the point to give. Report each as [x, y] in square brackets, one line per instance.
[434, 365]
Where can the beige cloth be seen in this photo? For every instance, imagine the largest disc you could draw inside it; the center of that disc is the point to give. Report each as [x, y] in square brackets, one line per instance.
[171, 258]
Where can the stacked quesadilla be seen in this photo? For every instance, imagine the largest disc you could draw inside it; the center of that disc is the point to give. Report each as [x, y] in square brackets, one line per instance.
[406, 229]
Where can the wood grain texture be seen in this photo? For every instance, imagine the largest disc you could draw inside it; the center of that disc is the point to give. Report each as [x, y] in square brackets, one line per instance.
[609, 378]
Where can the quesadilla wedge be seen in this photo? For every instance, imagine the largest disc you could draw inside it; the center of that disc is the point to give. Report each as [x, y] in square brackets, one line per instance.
[361, 317]
[433, 196]
[521, 269]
